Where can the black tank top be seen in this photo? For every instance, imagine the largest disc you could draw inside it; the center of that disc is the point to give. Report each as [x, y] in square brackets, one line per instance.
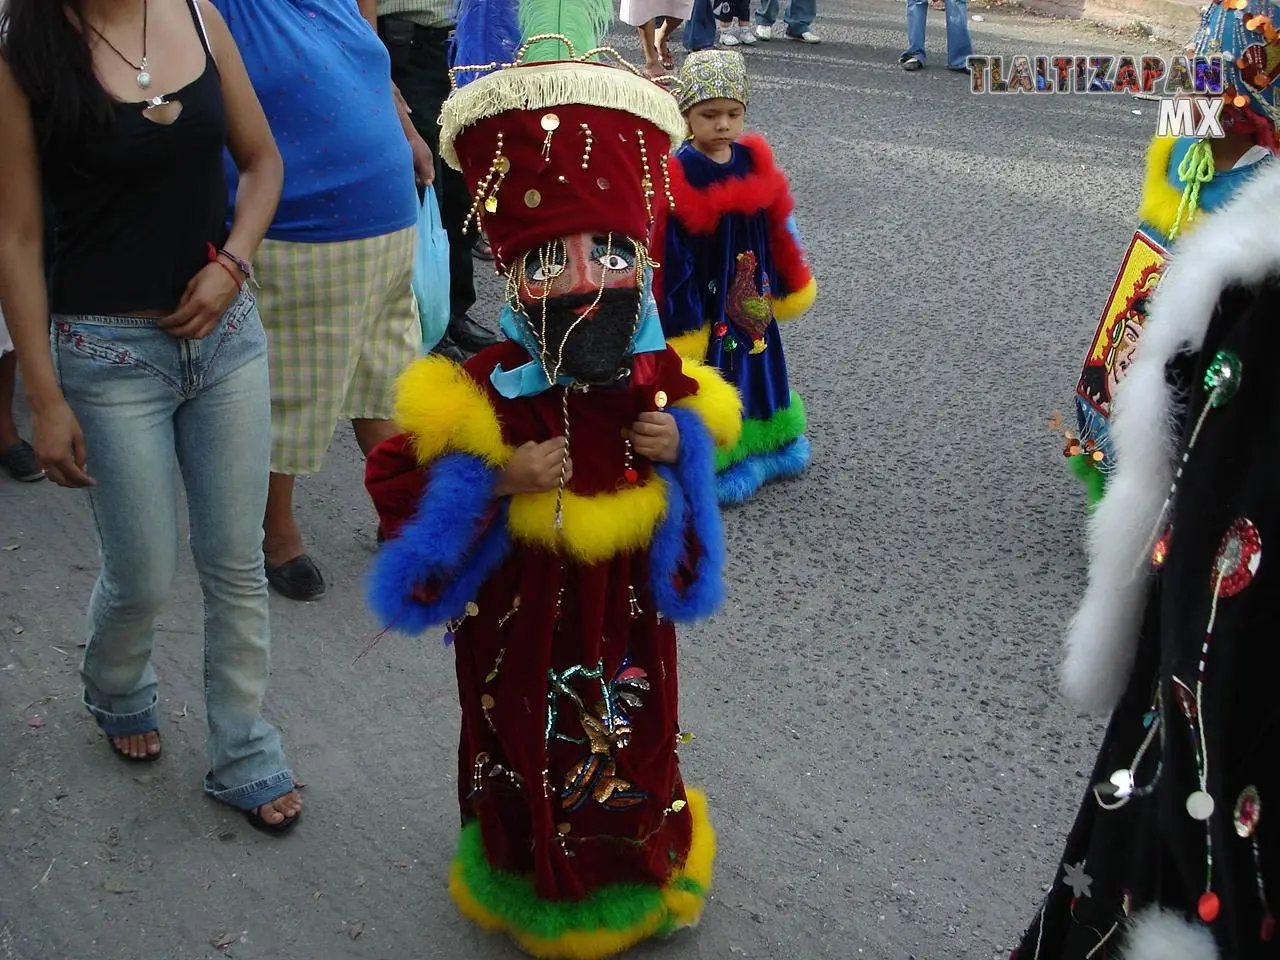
[136, 204]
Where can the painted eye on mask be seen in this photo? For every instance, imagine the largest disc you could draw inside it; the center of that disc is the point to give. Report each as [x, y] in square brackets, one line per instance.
[613, 260]
[543, 273]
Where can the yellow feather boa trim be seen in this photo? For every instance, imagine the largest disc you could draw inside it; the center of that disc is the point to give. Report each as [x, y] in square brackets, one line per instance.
[796, 304]
[1160, 199]
[682, 900]
[716, 403]
[593, 528]
[445, 411]
[692, 346]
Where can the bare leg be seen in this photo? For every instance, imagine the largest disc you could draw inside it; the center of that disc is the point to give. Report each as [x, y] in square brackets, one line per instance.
[652, 65]
[8, 383]
[370, 433]
[662, 38]
[281, 535]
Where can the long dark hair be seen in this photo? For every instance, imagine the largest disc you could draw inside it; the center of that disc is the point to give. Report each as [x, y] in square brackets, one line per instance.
[51, 62]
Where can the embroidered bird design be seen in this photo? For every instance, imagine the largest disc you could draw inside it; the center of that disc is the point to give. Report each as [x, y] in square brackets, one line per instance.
[747, 305]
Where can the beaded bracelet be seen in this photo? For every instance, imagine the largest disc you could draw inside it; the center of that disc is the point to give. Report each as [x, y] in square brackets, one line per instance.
[213, 258]
[241, 265]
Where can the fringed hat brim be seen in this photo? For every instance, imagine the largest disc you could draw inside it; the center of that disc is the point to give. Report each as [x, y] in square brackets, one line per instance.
[543, 85]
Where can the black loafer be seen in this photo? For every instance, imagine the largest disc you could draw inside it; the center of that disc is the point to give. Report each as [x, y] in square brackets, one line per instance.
[449, 350]
[297, 579]
[469, 335]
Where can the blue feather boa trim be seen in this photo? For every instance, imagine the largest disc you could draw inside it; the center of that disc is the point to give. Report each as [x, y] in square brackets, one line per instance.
[692, 520]
[738, 483]
[438, 548]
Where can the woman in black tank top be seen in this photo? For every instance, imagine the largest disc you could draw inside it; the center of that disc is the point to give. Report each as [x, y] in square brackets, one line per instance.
[144, 352]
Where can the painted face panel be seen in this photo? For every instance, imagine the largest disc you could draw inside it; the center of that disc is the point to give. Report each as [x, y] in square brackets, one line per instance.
[580, 296]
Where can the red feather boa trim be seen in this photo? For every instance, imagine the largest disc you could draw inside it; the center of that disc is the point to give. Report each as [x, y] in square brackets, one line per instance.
[765, 188]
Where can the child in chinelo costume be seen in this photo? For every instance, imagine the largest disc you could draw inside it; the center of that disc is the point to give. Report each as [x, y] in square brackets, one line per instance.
[731, 266]
[1184, 179]
[553, 502]
[1175, 852]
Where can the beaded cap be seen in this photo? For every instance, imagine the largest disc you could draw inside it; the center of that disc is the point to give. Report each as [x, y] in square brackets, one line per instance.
[1244, 33]
[712, 75]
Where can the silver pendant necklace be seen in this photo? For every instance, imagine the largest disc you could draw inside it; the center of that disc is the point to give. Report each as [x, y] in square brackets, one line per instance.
[144, 75]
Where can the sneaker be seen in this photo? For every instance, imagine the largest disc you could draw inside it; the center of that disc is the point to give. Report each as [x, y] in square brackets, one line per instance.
[20, 462]
[910, 62]
[729, 39]
[747, 37]
[807, 37]
[763, 32]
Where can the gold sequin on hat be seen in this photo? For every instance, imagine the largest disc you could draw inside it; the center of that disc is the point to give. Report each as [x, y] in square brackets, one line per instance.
[711, 75]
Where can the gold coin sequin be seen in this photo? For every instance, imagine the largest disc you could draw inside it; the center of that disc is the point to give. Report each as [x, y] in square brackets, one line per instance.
[491, 204]
[487, 702]
[563, 829]
[502, 165]
[532, 199]
[550, 122]
[678, 806]
[660, 399]
[472, 609]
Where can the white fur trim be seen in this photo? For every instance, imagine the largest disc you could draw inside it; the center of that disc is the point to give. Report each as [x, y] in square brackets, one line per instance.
[1156, 934]
[1239, 243]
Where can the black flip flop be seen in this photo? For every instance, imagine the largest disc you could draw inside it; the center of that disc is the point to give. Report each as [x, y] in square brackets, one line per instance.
[284, 826]
[130, 758]
[297, 579]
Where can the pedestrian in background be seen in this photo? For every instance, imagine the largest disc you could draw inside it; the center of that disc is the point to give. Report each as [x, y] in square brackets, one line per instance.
[156, 380]
[799, 19]
[17, 457]
[335, 270]
[655, 20]
[959, 43]
[735, 22]
[417, 34]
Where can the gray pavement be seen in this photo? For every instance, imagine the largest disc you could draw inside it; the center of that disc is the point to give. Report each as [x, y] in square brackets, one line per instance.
[890, 768]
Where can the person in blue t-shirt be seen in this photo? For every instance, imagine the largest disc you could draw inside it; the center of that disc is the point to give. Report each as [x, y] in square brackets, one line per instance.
[335, 269]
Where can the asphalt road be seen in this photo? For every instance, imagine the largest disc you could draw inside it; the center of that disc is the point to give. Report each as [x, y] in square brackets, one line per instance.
[890, 768]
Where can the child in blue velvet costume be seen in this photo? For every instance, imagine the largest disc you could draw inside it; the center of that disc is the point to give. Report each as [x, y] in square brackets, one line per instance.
[731, 266]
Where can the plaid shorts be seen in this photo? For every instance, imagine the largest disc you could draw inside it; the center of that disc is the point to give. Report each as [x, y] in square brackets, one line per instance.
[342, 324]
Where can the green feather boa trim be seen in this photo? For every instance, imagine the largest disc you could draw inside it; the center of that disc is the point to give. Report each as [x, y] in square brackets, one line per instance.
[619, 907]
[1094, 480]
[765, 436]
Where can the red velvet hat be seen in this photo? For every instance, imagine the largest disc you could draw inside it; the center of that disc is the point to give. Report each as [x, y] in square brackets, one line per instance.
[554, 149]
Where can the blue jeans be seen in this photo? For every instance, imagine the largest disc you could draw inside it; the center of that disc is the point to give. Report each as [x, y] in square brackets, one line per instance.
[159, 414]
[800, 14]
[959, 44]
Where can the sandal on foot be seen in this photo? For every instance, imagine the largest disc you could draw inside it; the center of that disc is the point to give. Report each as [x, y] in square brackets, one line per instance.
[284, 826]
[297, 579]
[130, 758]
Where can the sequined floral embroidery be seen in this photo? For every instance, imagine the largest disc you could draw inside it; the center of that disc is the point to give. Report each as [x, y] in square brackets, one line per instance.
[606, 726]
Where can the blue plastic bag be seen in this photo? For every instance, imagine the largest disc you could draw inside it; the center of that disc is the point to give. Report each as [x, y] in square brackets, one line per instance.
[431, 273]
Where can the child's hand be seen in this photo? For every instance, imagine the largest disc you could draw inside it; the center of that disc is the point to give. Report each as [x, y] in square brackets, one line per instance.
[656, 436]
[534, 468]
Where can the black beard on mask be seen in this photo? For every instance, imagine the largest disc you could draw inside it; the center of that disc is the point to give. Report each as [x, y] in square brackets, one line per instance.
[597, 348]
